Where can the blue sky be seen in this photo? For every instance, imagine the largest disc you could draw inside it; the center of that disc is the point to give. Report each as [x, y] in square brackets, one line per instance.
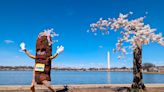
[22, 20]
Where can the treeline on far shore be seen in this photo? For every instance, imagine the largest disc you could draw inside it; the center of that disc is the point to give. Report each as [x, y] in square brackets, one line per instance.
[29, 68]
[8, 68]
[147, 67]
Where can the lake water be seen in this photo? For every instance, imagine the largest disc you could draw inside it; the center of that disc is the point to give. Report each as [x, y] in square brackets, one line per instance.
[77, 77]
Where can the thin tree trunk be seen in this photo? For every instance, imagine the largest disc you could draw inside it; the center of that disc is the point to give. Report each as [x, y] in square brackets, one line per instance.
[137, 68]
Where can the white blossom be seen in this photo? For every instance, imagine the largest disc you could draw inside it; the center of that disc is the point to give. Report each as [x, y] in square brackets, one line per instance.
[134, 30]
[48, 33]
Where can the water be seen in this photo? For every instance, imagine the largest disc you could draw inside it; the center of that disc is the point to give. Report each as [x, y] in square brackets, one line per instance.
[77, 77]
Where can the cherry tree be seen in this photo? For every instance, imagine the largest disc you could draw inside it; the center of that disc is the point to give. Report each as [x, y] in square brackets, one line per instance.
[132, 31]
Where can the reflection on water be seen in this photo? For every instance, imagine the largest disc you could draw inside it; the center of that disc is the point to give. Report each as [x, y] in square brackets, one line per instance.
[108, 78]
[77, 77]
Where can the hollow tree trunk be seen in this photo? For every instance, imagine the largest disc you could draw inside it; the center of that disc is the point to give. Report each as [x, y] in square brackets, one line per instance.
[137, 68]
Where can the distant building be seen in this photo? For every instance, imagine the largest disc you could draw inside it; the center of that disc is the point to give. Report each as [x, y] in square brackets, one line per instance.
[161, 69]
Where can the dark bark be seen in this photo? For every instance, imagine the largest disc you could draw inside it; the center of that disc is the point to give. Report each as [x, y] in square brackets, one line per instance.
[137, 67]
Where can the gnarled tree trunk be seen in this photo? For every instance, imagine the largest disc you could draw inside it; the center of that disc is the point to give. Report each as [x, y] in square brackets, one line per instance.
[137, 68]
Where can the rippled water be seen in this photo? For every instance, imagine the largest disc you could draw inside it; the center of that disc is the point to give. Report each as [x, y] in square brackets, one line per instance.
[77, 77]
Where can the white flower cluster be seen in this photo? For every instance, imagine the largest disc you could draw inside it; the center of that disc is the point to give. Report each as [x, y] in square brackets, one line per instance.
[48, 33]
[134, 31]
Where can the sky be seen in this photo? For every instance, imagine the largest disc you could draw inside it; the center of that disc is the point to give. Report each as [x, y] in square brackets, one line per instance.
[23, 20]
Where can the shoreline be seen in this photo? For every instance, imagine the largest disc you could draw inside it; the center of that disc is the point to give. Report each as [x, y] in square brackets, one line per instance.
[153, 72]
[93, 71]
[81, 88]
[86, 85]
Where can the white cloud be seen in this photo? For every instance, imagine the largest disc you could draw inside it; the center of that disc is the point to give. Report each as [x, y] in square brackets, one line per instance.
[8, 41]
[100, 46]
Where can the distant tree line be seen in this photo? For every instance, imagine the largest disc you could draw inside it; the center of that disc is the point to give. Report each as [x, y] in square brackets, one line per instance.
[16, 68]
[146, 66]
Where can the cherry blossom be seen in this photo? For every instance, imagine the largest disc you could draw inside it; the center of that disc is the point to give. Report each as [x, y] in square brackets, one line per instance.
[48, 33]
[133, 31]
